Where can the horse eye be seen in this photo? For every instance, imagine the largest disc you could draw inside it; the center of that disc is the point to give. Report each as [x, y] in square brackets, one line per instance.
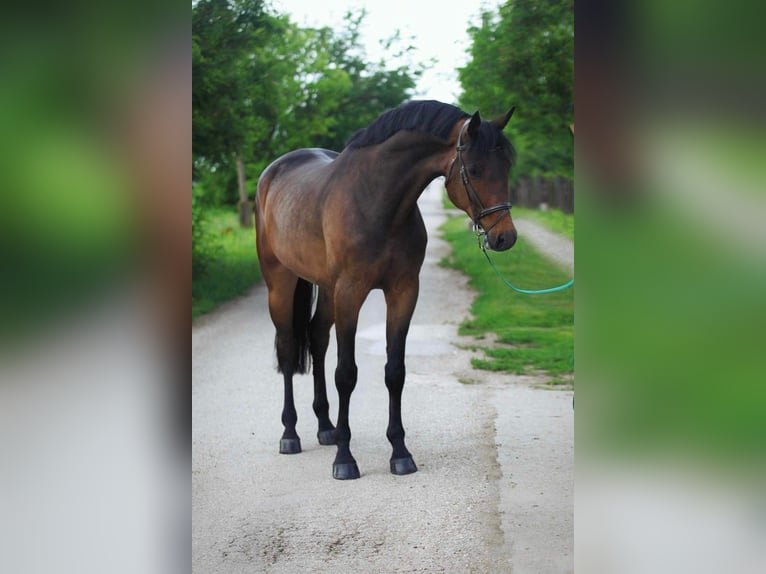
[474, 171]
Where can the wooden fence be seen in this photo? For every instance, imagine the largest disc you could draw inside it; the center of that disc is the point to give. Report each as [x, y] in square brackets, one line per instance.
[555, 192]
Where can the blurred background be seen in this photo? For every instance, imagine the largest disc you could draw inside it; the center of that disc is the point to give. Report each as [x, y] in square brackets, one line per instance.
[670, 312]
[97, 272]
[95, 263]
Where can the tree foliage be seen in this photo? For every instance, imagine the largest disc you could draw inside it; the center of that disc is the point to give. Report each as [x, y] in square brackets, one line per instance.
[203, 244]
[224, 34]
[524, 54]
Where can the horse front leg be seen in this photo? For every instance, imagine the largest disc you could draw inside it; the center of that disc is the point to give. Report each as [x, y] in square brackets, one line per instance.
[400, 302]
[347, 305]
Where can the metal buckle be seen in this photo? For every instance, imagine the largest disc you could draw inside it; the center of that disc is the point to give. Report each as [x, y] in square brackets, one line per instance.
[481, 236]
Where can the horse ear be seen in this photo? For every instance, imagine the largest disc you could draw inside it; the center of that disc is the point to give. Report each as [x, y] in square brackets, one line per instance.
[473, 125]
[502, 121]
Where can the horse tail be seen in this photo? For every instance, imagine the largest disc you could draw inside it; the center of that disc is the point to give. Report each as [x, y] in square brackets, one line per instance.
[303, 300]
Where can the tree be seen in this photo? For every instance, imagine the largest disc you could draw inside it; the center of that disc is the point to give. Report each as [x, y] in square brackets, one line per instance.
[525, 52]
[225, 37]
[330, 90]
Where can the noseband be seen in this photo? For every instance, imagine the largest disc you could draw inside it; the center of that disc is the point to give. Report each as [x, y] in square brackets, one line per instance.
[477, 208]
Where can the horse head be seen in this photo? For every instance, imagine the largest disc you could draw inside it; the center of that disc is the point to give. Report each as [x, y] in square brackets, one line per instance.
[477, 178]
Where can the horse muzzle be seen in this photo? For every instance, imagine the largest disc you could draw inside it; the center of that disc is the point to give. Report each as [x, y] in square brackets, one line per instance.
[501, 239]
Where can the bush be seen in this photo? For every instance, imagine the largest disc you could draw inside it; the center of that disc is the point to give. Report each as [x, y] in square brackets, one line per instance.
[204, 245]
[234, 270]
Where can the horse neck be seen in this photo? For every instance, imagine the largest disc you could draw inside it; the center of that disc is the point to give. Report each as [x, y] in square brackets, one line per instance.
[402, 167]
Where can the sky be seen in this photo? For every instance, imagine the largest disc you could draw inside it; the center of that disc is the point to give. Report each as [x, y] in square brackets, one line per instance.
[438, 26]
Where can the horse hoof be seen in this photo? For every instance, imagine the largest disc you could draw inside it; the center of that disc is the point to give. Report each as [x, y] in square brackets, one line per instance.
[289, 445]
[326, 437]
[345, 470]
[403, 465]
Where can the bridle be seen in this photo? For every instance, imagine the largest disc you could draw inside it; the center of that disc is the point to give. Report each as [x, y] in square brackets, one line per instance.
[477, 208]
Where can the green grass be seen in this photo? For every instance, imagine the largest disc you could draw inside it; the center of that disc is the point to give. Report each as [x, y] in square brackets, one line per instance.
[673, 345]
[553, 219]
[535, 333]
[235, 268]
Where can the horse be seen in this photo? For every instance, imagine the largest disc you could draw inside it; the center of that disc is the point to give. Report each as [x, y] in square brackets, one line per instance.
[331, 227]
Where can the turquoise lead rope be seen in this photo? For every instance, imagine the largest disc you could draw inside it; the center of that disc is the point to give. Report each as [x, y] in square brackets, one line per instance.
[566, 285]
[482, 245]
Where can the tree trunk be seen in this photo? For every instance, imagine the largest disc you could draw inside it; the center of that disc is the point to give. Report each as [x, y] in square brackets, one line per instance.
[245, 209]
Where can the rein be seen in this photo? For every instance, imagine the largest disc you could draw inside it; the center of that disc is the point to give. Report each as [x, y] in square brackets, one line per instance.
[481, 212]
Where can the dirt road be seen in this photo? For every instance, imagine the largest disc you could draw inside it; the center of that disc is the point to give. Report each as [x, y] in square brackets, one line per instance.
[494, 491]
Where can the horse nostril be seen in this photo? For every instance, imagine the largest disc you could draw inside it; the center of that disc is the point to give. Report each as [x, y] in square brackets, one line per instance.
[504, 240]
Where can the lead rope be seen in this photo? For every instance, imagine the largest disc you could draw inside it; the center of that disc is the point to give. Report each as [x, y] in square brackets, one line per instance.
[483, 246]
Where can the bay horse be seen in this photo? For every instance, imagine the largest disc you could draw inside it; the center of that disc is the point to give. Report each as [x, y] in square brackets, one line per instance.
[349, 223]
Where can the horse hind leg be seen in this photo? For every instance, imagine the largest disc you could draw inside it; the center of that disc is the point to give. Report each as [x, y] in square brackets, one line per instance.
[290, 308]
[320, 339]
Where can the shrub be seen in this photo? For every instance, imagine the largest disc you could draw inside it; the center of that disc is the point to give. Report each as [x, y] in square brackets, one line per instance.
[204, 245]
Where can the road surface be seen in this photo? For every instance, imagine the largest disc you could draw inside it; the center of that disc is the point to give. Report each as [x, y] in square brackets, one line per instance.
[494, 491]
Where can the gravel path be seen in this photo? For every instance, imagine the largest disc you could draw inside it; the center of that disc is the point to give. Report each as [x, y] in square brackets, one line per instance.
[557, 248]
[494, 492]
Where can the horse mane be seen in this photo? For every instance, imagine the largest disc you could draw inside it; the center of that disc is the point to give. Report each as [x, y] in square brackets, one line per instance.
[431, 117]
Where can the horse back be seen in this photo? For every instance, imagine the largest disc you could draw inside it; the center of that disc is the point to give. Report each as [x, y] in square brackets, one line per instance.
[296, 165]
[291, 187]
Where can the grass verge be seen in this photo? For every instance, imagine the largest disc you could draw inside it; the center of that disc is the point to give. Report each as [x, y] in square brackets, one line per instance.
[552, 219]
[234, 268]
[535, 333]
